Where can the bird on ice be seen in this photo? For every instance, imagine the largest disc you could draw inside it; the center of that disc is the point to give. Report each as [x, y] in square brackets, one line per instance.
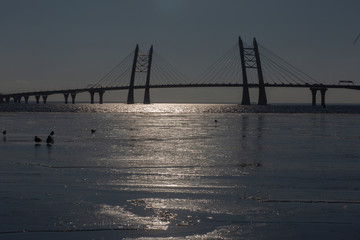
[37, 139]
[49, 140]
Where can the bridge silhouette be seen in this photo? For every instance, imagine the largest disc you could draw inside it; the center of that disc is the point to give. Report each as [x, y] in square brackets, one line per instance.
[242, 66]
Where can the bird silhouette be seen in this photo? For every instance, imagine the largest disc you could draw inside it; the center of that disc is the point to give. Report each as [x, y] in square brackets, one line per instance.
[93, 130]
[52, 133]
[4, 132]
[49, 140]
[37, 139]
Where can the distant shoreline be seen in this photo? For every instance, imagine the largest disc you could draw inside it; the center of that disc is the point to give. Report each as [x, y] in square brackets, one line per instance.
[181, 108]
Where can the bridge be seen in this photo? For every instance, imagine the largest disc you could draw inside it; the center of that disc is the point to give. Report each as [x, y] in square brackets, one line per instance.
[243, 66]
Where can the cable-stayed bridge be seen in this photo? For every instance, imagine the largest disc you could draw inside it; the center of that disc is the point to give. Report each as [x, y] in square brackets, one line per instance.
[245, 66]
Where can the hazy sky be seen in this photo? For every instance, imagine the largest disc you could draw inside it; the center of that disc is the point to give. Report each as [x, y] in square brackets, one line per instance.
[47, 44]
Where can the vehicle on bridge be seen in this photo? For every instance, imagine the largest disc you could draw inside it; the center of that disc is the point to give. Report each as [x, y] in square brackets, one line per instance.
[345, 82]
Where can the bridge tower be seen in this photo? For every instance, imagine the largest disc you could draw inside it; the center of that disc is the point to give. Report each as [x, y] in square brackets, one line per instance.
[250, 59]
[148, 71]
[142, 64]
[246, 96]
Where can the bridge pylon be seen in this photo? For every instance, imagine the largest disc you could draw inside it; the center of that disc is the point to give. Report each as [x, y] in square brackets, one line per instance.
[130, 99]
[141, 64]
[250, 59]
[246, 96]
[148, 71]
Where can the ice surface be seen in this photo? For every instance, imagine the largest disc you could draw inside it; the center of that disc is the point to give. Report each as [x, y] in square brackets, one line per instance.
[172, 172]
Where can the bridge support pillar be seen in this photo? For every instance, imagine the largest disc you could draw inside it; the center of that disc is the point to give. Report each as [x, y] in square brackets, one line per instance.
[323, 91]
[73, 95]
[66, 96]
[313, 93]
[44, 97]
[26, 99]
[101, 94]
[147, 85]
[16, 99]
[92, 93]
[37, 97]
[245, 95]
[7, 99]
[130, 99]
[1, 100]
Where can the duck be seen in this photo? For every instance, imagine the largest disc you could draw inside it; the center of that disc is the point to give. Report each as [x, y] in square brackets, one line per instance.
[49, 140]
[37, 139]
[93, 130]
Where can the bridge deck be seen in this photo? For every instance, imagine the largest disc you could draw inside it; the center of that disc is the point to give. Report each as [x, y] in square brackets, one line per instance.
[80, 90]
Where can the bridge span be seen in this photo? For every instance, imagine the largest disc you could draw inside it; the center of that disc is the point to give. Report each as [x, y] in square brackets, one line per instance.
[17, 97]
[279, 74]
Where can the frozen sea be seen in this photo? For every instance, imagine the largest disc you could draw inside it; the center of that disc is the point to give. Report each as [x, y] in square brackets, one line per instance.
[180, 171]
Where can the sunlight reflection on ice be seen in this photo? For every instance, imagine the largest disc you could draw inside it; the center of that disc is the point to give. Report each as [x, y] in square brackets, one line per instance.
[119, 214]
[178, 172]
[213, 206]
